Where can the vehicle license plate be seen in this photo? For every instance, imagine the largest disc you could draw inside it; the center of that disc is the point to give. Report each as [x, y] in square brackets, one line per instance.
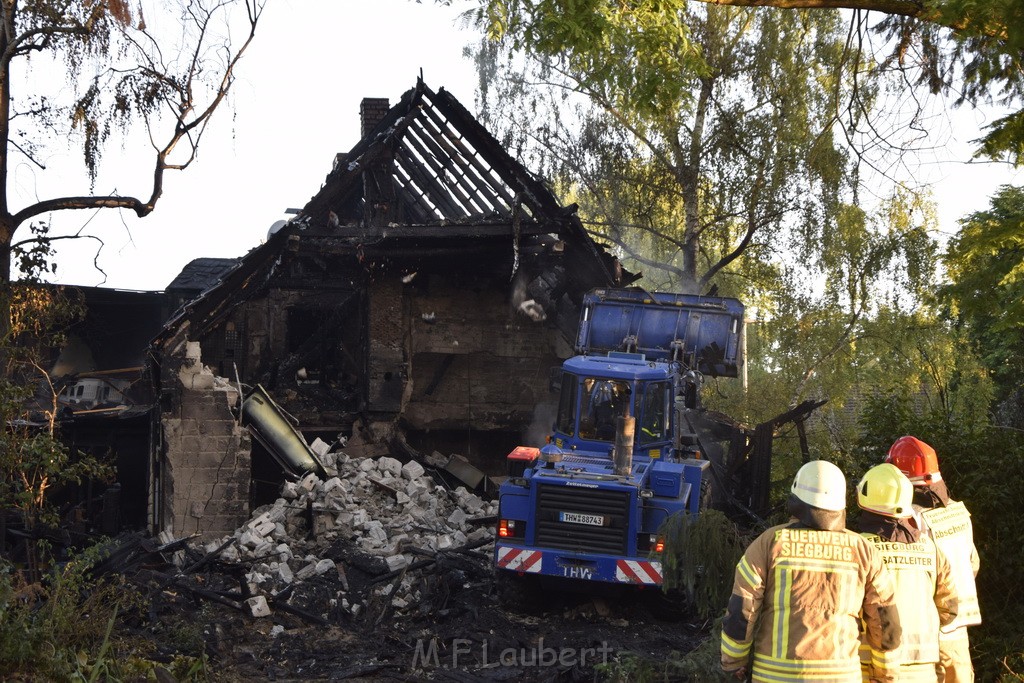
[580, 518]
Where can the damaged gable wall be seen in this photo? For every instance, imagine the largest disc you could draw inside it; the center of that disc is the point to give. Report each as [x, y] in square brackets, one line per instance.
[452, 353]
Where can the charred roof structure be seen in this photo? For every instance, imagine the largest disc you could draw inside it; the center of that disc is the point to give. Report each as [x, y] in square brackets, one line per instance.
[424, 291]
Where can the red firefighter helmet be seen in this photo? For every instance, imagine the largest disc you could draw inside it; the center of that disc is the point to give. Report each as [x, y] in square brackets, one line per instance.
[916, 459]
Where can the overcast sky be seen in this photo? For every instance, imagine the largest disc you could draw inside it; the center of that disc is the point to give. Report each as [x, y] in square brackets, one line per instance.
[296, 104]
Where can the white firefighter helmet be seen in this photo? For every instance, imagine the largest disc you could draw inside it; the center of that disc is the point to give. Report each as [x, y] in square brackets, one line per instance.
[820, 484]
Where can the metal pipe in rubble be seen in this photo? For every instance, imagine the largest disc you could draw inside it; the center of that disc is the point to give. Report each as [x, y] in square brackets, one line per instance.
[625, 429]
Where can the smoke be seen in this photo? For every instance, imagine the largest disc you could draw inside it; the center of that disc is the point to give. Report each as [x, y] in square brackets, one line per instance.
[541, 425]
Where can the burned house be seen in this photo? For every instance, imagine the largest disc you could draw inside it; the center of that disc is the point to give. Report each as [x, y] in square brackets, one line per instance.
[421, 297]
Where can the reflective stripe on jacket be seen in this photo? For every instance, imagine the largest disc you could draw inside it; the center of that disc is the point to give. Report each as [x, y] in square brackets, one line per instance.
[950, 527]
[796, 604]
[925, 596]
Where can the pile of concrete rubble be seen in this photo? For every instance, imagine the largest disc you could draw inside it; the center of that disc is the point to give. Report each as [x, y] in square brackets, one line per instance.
[389, 513]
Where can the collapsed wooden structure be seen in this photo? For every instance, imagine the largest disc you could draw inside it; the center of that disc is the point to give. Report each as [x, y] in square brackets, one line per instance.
[428, 287]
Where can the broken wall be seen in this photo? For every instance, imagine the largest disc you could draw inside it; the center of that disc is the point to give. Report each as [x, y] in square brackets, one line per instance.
[449, 352]
[206, 456]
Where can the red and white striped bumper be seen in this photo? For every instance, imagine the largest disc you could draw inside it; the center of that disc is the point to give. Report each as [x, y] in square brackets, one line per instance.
[638, 571]
[513, 559]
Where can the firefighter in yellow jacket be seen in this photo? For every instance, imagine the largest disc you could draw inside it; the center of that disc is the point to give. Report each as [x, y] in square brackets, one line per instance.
[949, 525]
[801, 589]
[925, 593]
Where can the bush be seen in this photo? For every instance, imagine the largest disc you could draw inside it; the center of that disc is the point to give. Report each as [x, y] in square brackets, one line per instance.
[700, 557]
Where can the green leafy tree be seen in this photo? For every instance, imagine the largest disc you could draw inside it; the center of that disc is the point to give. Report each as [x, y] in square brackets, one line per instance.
[171, 78]
[689, 144]
[973, 50]
[33, 460]
[985, 264]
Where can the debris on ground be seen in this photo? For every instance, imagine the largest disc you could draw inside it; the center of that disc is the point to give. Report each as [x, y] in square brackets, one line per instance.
[379, 572]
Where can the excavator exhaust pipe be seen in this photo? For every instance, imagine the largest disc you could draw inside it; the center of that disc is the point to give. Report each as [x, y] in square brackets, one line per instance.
[625, 429]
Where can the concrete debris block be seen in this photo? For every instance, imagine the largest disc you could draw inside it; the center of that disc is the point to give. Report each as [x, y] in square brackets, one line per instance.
[283, 573]
[472, 503]
[345, 520]
[265, 528]
[374, 530]
[229, 554]
[250, 538]
[367, 464]
[435, 459]
[459, 539]
[290, 490]
[277, 630]
[390, 465]
[320, 447]
[165, 537]
[412, 470]
[322, 523]
[258, 606]
[356, 609]
[258, 519]
[265, 549]
[306, 572]
[415, 489]
[458, 519]
[329, 460]
[284, 553]
[480, 534]
[402, 498]
[395, 562]
[309, 482]
[280, 533]
[278, 511]
[323, 566]
[444, 542]
[360, 518]
[331, 484]
[341, 458]
[399, 603]
[336, 499]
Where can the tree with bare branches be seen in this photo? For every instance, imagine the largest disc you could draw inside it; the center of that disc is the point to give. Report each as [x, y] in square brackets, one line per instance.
[167, 66]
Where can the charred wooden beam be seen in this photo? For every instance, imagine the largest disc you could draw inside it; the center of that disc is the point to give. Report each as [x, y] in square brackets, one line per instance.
[442, 174]
[471, 193]
[416, 193]
[487, 173]
[429, 231]
[436, 193]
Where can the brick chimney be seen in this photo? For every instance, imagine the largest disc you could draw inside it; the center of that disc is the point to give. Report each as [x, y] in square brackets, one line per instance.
[371, 111]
